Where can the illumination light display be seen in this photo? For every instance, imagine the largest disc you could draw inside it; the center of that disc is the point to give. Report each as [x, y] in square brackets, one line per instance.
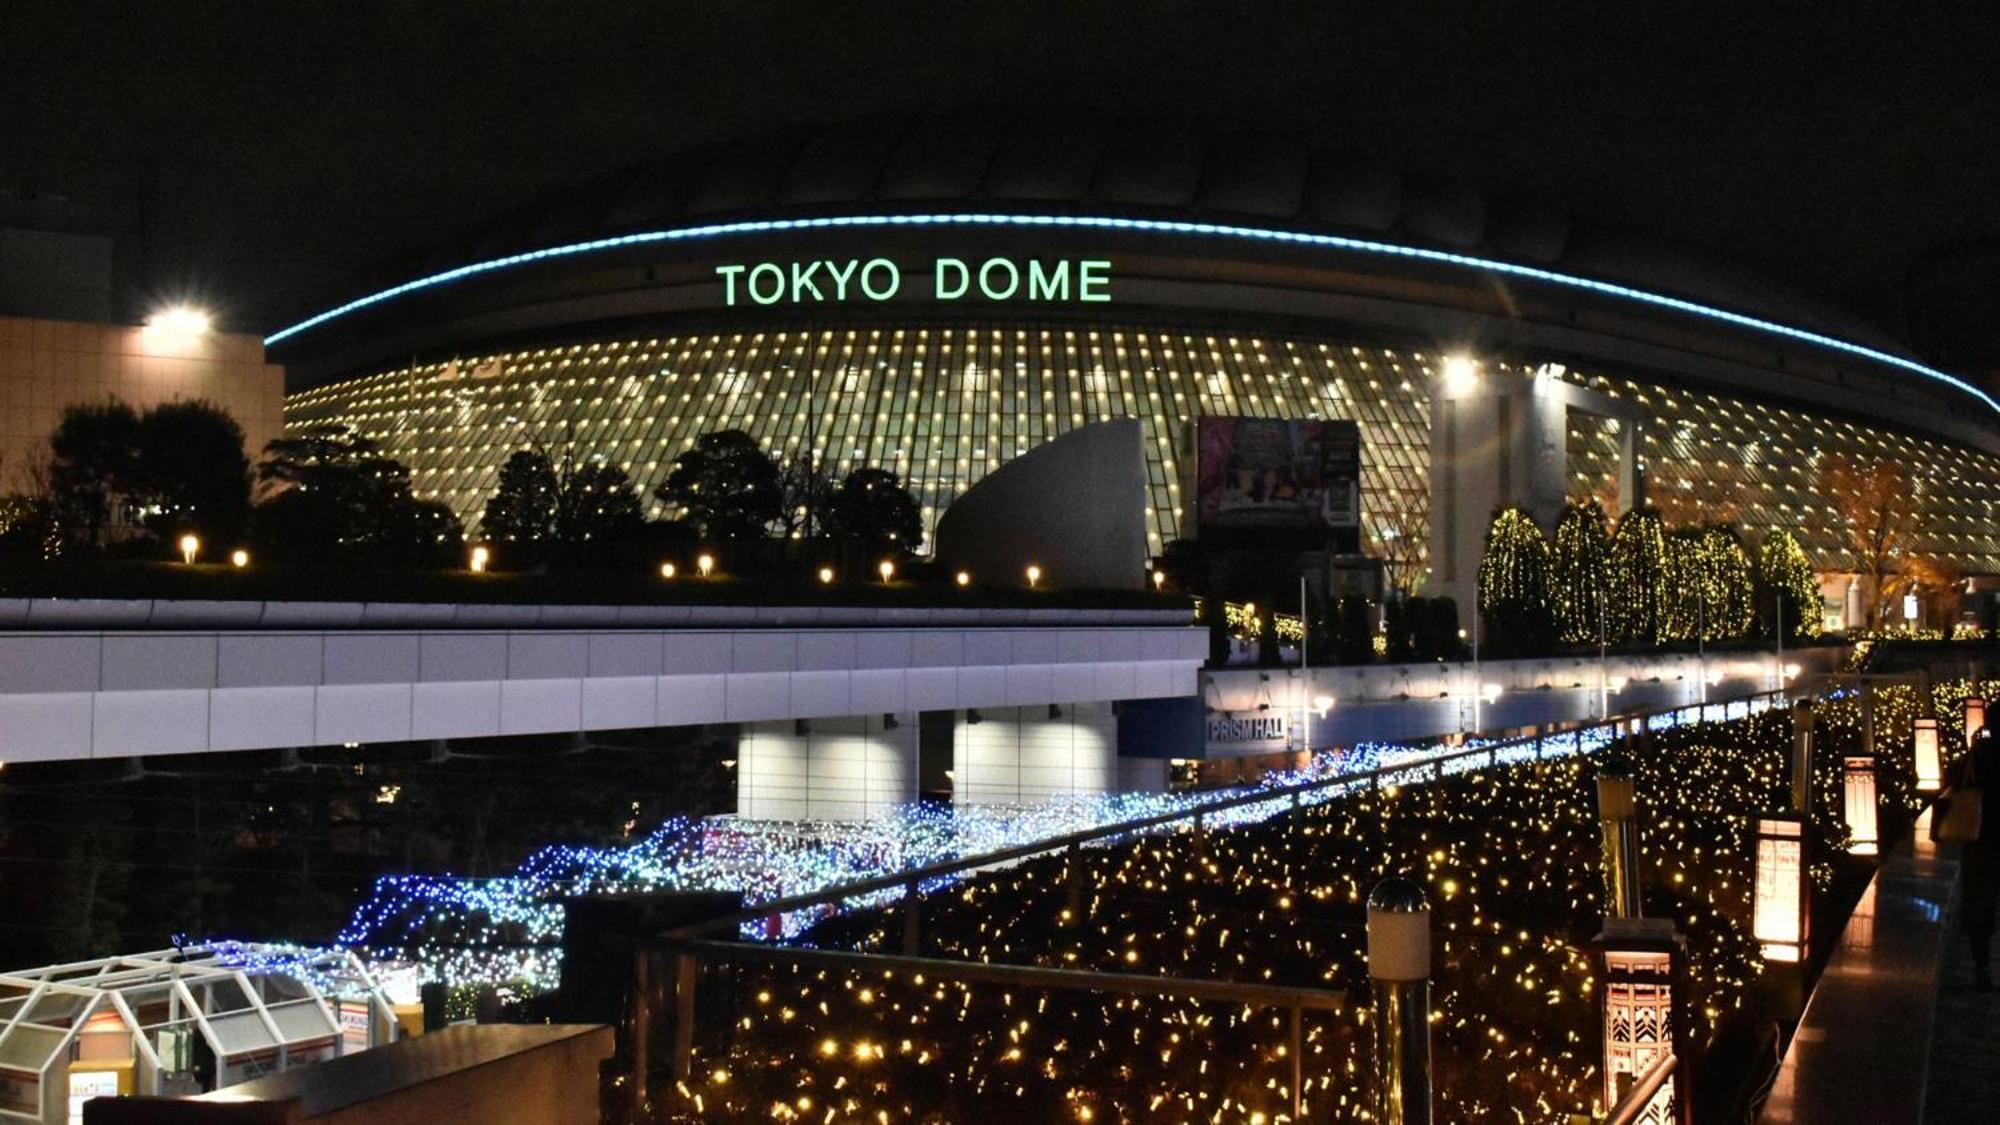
[1507, 854]
[1508, 857]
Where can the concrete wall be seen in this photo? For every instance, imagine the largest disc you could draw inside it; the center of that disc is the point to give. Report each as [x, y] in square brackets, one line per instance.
[1076, 507]
[47, 365]
[837, 769]
[117, 694]
[1021, 755]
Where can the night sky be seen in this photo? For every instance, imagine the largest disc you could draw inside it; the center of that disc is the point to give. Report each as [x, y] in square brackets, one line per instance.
[270, 154]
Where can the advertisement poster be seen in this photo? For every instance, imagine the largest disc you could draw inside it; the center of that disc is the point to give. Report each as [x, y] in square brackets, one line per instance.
[1272, 482]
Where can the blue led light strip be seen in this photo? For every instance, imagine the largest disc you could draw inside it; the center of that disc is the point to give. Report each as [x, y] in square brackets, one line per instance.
[1152, 226]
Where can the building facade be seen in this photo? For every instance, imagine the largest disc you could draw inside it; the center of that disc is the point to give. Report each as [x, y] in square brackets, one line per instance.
[937, 297]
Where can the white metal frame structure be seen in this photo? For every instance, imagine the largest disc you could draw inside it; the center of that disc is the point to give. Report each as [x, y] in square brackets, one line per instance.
[259, 1008]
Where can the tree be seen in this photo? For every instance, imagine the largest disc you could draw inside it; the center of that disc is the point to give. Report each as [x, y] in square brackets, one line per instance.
[1514, 585]
[337, 497]
[1785, 576]
[520, 519]
[808, 498]
[94, 457]
[1582, 561]
[190, 473]
[873, 508]
[1880, 515]
[1706, 590]
[1638, 568]
[596, 505]
[726, 485]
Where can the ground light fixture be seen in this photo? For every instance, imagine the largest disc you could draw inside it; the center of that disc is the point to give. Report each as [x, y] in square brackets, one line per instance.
[1034, 575]
[668, 570]
[1929, 769]
[1779, 919]
[1159, 580]
[190, 546]
[239, 558]
[705, 564]
[887, 570]
[826, 576]
[481, 555]
[963, 579]
[1858, 805]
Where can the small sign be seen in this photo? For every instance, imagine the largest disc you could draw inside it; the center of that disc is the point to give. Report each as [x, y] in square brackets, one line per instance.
[1249, 733]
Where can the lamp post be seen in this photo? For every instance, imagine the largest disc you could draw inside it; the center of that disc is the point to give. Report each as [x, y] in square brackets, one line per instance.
[1617, 813]
[1643, 964]
[1802, 755]
[1858, 805]
[1399, 969]
[1781, 917]
[1929, 769]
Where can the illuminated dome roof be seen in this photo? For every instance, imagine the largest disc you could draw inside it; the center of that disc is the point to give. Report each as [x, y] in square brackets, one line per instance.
[1058, 163]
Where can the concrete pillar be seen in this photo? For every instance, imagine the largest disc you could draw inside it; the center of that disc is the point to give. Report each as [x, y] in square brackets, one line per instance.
[1022, 755]
[848, 768]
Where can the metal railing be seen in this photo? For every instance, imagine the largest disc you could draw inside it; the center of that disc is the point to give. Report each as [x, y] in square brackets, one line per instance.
[688, 950]
[1649, 1100]
[912, 881]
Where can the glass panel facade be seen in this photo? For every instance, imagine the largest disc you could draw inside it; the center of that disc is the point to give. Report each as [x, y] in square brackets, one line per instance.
[943, 405]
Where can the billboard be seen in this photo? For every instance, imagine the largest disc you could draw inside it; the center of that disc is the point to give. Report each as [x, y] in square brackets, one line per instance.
[1273, 482]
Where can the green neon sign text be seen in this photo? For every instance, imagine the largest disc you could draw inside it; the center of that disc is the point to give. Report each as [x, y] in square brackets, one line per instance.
[824, 280]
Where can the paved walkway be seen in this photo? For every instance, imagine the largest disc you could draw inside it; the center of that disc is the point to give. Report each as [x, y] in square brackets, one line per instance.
[1964, 1073]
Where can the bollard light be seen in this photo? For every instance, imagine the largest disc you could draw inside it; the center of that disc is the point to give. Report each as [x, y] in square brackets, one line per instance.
[705, 564]
[1930, 770]
[1780, 918]
[239, 558]
[1159, 580]
[1399, 967]
[887, 570]
[190, 547]
[668, 570]
[826, 576]
[963, 579]
[1858, 805]
[1975, 717]
[1034, 575]
[481, 555]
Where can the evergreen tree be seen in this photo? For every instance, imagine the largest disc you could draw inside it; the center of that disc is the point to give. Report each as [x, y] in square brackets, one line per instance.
[191, 474]
[1685, 594]
[597, 505]
[93, 466]
[726, 486]
[340, 499]
[873, 508]
[1582, 559]
[1514, 573]
[520, 519]
[1638, 566]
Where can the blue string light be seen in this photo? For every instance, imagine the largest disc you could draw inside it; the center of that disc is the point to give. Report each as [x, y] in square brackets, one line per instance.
[1150, 226]
[507, 931]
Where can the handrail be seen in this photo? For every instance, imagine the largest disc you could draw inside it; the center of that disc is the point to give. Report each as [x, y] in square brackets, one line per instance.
[1027, 976]
[911, 878]
[1639, 1099]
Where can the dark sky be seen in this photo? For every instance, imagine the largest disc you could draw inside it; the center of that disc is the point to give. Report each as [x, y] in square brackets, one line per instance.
[278, 150]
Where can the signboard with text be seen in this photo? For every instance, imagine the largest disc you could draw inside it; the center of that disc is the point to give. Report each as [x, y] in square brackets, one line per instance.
[1256, 732]
[1280, 483]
